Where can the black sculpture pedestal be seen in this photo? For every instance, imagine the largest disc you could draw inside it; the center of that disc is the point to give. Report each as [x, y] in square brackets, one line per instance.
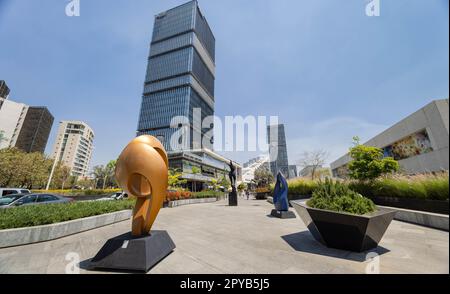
[282, 214]
[126, 252]
[233, 198]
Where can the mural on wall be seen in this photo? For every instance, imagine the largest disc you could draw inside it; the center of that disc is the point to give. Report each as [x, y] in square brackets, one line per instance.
[416, 144]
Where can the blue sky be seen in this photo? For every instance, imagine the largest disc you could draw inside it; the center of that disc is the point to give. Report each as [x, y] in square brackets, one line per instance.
[325, 68]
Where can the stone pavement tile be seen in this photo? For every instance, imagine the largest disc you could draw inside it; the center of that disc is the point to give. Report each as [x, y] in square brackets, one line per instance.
[215, 238]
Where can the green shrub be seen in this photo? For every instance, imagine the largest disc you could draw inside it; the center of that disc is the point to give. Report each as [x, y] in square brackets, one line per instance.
[207, 194]
[75, 193]
[433, 187]
[337, 196]
[302, 187]
[36, 215]
[369, 162]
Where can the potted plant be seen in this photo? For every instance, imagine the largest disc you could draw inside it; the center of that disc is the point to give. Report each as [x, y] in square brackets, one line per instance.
[340, 218]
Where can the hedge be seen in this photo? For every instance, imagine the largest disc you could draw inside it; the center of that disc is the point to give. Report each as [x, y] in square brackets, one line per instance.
[415, 187]
[208, 194]
[434, 187]
[36, 215]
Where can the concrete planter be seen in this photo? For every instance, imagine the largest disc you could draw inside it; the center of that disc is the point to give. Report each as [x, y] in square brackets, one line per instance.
[23, 236]
[177, 203]
[433, 206]
[343, 230]
[422, 218]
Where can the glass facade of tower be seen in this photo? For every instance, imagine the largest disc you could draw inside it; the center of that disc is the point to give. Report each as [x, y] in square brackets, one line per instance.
[278, 150]
[180, 74]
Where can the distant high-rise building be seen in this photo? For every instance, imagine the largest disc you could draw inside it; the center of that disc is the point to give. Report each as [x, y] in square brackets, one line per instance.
[4, 90]
[12, 116]
[293, 171]
[278, 150]
[74, 146]
[35, 130]
[180, 76]
[24, 127]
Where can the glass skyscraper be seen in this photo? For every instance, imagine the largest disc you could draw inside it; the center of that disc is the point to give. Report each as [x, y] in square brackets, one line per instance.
[278, 150]
[180, 76]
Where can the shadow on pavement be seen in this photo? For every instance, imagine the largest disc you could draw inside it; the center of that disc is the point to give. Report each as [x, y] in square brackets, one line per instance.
[305, 242]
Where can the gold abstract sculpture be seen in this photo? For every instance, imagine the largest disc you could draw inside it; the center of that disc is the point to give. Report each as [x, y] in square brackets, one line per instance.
[142, 171]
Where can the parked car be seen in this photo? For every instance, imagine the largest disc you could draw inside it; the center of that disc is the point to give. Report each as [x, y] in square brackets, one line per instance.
[11, 191]
[15, 200]
[115, 196]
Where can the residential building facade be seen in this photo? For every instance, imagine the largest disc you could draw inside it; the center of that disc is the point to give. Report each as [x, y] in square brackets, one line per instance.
[24, 127]
[35, 130]
[4, 90]
[74, 146]
[12, 116]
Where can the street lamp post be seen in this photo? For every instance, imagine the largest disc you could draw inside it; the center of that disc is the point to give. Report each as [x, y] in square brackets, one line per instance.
[54, 166]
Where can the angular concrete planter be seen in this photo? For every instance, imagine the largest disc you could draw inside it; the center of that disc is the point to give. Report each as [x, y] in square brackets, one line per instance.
[177, 203]
[345, 231]
[433, 206]
[23, 236]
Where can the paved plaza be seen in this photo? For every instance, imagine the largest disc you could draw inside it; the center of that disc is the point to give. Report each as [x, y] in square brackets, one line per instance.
[214, 238]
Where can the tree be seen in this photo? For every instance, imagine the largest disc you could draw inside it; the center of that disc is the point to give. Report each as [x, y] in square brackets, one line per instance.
[369, 163]
[241, 187]
[224, 182]
[214, 183]
[61, 176]
[99, 174]
[86, 183]
[109, 173]
[175, 180]
[196, 170]
[20, 169]
[314, 160]
[263, 177]
[104, 176]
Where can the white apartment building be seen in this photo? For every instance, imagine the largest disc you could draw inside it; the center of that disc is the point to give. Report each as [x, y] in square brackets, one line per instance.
[74, 146]
[12, 116]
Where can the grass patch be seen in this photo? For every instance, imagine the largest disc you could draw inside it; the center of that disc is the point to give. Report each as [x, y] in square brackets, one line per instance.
[36, 215]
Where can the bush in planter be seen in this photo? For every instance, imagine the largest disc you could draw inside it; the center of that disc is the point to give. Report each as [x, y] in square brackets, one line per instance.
[79, 193]
[36, 215]
[208, 194]
[433, 187]
[336, 196]
[177, 195]
[301, 187]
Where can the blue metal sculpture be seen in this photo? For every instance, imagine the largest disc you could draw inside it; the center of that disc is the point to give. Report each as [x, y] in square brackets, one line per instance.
[280, 194]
